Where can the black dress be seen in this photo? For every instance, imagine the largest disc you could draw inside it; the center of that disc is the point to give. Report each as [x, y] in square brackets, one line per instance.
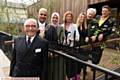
[83, 34]
[55, 62]
[82, 53]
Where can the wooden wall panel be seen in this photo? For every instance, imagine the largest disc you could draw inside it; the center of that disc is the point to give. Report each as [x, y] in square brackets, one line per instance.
[96, 1]
[76, 6]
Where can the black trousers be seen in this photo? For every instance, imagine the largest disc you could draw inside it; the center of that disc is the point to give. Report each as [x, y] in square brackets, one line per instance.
[71, 68]
[74, 67]
[83, 55]
[96, 55]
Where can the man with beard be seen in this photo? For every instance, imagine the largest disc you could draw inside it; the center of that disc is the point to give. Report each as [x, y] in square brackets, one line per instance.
[42, 16]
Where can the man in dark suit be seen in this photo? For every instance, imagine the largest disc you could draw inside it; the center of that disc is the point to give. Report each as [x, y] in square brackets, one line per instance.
[42, 16]
[30, 53]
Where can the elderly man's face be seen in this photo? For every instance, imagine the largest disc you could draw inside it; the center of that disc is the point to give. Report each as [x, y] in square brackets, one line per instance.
[42, 16]
[30, 28]
[90, 15]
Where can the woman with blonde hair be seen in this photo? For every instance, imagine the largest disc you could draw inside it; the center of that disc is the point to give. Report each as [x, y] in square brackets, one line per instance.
[81, 20]
[71, 35]
[82, 27]
[70, 28]
[83, 39]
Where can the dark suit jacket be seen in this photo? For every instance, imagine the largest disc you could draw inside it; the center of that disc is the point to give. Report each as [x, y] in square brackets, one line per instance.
[107, 26]
[29, 61]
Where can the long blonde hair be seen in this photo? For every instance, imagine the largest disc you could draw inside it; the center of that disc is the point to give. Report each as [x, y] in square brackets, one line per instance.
[84, 23]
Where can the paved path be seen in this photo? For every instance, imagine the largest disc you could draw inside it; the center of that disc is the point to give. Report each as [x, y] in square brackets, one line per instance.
[4, 64]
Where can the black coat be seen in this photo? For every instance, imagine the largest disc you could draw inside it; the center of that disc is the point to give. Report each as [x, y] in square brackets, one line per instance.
[107, 26]
[54, 35]
[29, 61]
[51, 33]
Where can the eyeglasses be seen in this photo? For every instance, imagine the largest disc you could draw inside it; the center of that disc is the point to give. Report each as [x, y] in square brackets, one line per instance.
[32, 26]
[43, 14]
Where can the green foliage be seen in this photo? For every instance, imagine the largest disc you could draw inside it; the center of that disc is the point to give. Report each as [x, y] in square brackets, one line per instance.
[13, 29]
[6, 24]
[114, 59]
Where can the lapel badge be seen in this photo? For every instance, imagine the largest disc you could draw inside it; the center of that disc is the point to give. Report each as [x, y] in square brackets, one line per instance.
[38, 50]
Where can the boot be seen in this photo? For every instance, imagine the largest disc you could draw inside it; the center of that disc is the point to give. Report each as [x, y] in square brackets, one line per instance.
[78, 77]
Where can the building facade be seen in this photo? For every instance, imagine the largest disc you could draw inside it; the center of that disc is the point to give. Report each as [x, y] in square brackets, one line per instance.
[60, 6]
[12, 17]
[76, 6]
[12, 12]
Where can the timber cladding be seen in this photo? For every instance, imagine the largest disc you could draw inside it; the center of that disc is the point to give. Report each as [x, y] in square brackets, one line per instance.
[96, 1]
[60, 6]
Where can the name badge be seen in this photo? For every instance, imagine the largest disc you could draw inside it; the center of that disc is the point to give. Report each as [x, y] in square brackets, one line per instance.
[105, 26]
[37, 50]
[93, 27]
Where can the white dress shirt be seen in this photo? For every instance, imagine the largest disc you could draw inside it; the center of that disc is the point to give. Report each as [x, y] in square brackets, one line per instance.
[41, 26]
[72, 28]
[31, 40]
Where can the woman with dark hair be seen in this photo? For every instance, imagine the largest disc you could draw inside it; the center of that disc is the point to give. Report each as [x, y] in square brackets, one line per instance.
[54, 33]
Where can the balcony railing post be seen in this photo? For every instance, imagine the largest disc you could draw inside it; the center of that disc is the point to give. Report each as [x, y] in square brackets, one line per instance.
[94, 74]
[106, 76]
[84, 72]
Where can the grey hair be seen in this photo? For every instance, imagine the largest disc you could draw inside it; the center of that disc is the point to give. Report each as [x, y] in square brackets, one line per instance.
[29, 20]
[91, 10]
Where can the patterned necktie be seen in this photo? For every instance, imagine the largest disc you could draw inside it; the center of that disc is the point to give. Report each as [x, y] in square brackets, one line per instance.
[29, 42]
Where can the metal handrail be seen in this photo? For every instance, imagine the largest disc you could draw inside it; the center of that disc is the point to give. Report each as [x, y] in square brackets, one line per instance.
[96, 67]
